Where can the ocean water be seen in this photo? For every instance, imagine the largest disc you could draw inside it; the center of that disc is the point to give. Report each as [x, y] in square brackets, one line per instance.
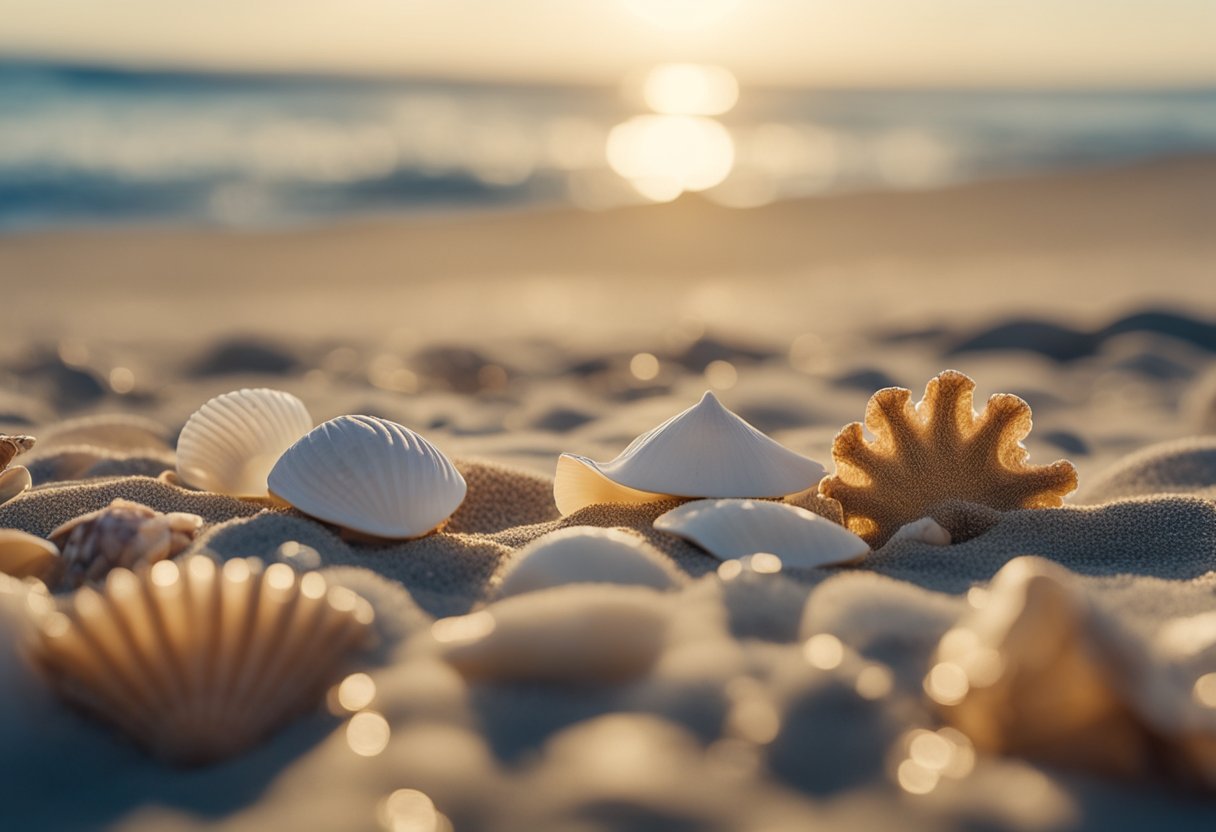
[81, 146]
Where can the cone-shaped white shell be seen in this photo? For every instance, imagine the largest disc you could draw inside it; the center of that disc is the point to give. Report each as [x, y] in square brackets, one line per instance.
[730, 529]
[24, 555]
[230, 444]
[369, 475]
[13, 482]
[924, 530]
[196, 662]
[706, 451]
[586, 554]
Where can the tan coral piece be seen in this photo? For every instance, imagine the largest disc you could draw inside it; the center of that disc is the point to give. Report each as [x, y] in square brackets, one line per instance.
[197, 663]
[123, 534]
[935, 451]
[13, 446]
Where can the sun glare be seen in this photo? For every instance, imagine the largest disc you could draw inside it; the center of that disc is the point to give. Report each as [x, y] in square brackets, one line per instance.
[690, 90]
[663, 156]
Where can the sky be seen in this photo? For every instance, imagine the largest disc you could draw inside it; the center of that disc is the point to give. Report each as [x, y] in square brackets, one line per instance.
[1025, 43]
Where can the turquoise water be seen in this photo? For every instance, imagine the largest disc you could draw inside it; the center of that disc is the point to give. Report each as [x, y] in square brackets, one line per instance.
[85, 146]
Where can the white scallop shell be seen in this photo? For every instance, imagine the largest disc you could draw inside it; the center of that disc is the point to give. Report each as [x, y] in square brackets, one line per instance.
[195, 662]
[586, 554]
[14, 481]
[580, 634]
[729, 529]
[230, 444]
[706, 451]
[369, 475]
[24, 555]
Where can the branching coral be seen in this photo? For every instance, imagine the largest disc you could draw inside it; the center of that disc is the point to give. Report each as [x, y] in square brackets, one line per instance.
[935, 451]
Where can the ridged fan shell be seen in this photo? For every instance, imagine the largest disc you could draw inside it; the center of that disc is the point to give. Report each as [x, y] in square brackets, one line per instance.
[705, 451]
[197, 663]
[369, 475]
[230, 443]
[729, 529]
[586, 554]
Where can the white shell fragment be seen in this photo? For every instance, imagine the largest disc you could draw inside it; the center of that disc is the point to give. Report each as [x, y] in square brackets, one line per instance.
[924, 530]
[195, 662]
[706, 451]
[24, 555]
[369, 475]
[586, 554]
[574, 635]
[14, 482]
[730, 529]
[1038, 671]
[230, 444]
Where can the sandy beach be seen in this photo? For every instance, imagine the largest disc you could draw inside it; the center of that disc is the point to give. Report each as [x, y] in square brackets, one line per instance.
[509, 338]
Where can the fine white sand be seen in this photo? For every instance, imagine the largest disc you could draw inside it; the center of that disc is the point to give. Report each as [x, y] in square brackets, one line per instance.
[507, 340]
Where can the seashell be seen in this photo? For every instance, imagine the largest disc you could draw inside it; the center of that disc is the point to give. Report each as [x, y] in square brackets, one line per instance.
[369, 475]
[230, 444]
[13, 446]
[586, 554]
[198, 663]
[14, 482]
[582, 634]
[924, 530]
[123, 534]
[729, 529]
[706, 451]
[1038, 671]
[24, 555]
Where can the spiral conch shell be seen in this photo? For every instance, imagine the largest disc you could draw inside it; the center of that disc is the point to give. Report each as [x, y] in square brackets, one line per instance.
[369, 475]
[123, 534]
[706, 451]
[195, 662]
[230, 443]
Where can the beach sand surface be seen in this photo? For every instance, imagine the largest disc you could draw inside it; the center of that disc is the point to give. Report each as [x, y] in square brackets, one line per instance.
[508, 339]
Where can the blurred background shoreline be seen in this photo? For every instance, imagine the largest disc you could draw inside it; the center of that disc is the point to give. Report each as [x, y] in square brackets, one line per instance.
[87, 144]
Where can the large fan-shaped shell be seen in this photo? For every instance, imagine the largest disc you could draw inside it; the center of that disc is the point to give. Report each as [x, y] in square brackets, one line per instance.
[730, 529]
[14, 482]
[369, 475]
[195, 662]
[706, 451]
[586, 554]
[23, 555]
[230, 444]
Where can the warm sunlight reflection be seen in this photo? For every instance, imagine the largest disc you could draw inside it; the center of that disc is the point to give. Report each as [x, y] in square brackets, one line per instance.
[681, 15]
[664, 156]
[367, 733]
[690, 90]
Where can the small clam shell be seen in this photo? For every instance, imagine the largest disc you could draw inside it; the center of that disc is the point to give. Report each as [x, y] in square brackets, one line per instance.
[230, 444]
[729, 529]
[123, 534]
[584, 634]
[706, 451]
[195, 662]
[14, 482]
[24, 555]
[369, 475]
[586, 554]
[924, 530]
